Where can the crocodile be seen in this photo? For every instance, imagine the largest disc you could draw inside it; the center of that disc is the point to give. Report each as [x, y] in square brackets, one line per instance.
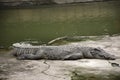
[66, 52]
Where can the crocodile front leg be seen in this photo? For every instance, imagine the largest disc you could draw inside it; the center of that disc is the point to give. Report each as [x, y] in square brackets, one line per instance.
[73, 56]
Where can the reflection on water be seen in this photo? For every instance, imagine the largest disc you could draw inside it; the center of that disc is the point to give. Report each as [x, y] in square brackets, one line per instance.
[48, 22]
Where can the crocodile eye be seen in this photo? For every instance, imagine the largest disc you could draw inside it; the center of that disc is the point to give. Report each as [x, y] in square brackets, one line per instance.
[97, 49]
[92, 51]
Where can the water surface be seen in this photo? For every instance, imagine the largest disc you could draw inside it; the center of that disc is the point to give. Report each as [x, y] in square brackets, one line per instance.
[47, 22]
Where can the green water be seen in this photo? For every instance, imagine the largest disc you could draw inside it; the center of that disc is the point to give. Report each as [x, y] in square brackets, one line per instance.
[47, 22]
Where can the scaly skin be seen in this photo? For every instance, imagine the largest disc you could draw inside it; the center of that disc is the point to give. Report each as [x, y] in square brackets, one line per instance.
[61, 53]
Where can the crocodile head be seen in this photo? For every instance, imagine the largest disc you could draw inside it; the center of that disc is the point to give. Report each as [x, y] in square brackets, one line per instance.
[101, 54]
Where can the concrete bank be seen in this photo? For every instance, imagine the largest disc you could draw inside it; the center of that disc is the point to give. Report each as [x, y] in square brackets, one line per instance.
[16, 3]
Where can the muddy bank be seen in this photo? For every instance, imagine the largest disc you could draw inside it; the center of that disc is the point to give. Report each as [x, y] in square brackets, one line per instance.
[84, 69]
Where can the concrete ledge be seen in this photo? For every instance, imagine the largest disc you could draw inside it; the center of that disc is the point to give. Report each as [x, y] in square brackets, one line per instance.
[15, 3]
[73, 1]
